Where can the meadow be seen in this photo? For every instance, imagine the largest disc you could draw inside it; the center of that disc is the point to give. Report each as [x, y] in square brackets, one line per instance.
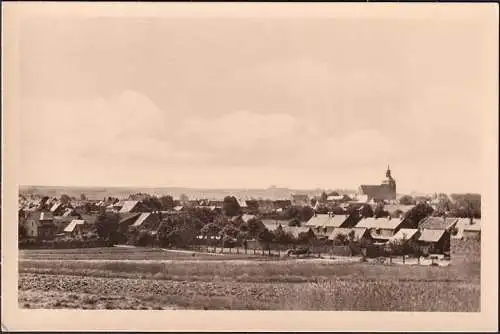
[152, 279]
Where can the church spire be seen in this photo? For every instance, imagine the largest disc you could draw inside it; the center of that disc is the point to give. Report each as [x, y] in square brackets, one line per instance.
[388, 172]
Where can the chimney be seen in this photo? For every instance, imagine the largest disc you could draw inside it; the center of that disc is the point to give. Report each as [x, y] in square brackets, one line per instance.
[471, 220]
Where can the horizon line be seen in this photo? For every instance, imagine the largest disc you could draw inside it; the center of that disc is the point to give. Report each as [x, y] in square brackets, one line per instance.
[355, 189]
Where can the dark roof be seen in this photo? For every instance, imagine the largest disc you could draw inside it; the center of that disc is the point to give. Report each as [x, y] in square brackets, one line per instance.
[437, 223]
[38, 215]
[378, 192]
[125, 217]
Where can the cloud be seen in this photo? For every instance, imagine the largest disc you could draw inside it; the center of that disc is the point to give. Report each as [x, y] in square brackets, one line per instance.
[239, 130]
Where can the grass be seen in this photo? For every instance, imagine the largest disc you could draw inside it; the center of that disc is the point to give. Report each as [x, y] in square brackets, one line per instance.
[116, 253]
[245, 285]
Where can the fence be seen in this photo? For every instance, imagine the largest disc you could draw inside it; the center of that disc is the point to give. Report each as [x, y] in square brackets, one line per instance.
[274, 249]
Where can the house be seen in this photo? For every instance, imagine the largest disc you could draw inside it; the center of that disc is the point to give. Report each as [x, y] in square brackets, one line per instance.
[318, 220]
[130, 206]
[178, 208]
[272, 224]
[468, 228]
[69, 212]
[252, 206]
[382, 192]
[300, 200]
[147, 221]
[359, 233]
[434, 241]
[282, 204]
[242, 204]
[57, 209]
[76, 227]
[438, 223]
[127, 219]
[266, 207]
[297, 232]
[406, 234]
[382, 229]
[334, 222]
[40, 225]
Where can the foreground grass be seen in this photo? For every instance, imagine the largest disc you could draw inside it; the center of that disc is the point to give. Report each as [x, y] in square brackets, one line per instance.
[333, 294]
[257, 285]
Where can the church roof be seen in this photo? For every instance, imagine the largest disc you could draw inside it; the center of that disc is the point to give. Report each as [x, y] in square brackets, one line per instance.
[378, 192]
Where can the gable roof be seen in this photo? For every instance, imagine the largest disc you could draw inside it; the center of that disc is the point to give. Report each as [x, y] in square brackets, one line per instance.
[272, 224]
[318, 220]
[128, 206]
[125, 217]
[55, 207]
[141, 219]
[404, 233]
[336, 221]
[431, 235]
[383, 223]
[67, 212]
[437, 223]
[359, 232]
[71, 226]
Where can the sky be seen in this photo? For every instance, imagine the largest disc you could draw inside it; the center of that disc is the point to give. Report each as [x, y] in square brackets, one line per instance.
[250, 103]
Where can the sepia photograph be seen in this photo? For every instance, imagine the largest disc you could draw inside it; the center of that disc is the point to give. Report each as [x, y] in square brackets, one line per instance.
[252, 162]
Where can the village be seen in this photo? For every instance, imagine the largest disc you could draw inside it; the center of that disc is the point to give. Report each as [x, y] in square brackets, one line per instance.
[373, 223]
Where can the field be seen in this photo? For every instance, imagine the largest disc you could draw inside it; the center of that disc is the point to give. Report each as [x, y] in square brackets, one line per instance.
[117, 278]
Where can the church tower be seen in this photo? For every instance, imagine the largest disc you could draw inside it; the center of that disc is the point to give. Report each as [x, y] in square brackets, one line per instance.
[389, 180]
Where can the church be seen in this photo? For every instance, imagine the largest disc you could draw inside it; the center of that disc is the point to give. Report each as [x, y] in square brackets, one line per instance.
[386, 191]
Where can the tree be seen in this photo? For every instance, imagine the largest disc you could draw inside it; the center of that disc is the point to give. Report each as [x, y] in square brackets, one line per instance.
[266, 238]
[407, 200]
[107, 226]
[417, 213]
[83, 197]
[65, 199]
[292, 212]
[396, 214]
[324, 197]
[230, 206]
[333, 193]
[211, 230]
[167, 202]
[151, 203]
[380, 212]
[230, 231]
[255, 227]
[306, 213]
[341, 239]
[366, 211]
[282, 237]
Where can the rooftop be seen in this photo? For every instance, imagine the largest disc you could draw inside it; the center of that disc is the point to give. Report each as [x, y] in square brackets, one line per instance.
[383, 223]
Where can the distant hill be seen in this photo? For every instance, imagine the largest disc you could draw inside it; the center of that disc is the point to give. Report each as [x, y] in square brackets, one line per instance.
[193, 193]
